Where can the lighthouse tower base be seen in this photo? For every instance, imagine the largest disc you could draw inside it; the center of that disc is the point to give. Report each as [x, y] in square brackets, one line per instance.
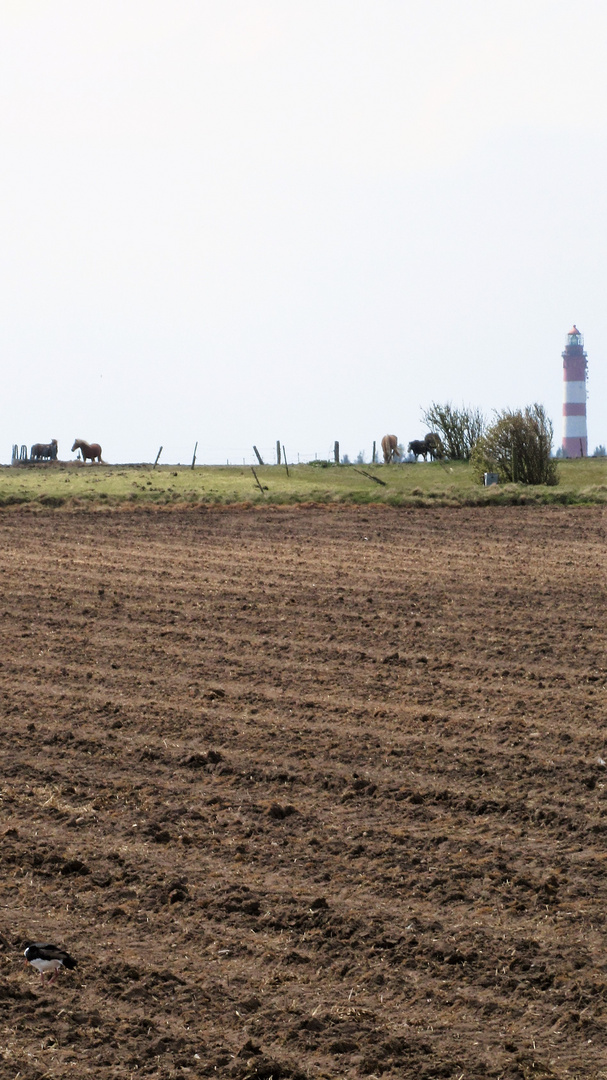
[575, 447]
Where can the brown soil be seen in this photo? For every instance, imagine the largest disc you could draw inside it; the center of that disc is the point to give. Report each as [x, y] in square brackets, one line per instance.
[306, 792]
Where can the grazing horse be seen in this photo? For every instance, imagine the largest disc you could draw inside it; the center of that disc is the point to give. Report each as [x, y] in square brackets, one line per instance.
[40, 451]
[88, 450]
[435, 446]
[389, 445]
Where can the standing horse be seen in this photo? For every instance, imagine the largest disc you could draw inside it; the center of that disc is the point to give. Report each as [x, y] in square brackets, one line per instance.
[389, 445]
[430, 444]
[41, 451]
[419, 448]
[88, 450]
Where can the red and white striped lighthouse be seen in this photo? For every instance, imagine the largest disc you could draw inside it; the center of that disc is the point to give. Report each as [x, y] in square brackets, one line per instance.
[575, 435]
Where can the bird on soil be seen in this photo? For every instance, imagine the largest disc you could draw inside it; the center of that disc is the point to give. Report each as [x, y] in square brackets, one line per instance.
[48, 958]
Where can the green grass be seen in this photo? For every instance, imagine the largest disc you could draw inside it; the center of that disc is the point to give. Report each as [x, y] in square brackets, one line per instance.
[582, 481]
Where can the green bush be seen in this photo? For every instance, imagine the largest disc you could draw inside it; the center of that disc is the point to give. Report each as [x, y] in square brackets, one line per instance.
[517, 447]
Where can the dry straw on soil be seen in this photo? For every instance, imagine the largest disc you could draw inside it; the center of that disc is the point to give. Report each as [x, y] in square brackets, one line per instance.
[306, 792]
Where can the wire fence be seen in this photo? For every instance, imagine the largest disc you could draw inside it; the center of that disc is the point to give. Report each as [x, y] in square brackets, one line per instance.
[245, 455]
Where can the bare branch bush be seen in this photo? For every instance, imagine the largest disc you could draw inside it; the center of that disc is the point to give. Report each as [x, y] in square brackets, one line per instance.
[459, 429]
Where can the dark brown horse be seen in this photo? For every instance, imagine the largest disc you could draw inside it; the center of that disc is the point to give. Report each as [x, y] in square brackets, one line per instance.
[430, 444]
[90, 451]
[389, 445]
[419, 448]
[41, 451]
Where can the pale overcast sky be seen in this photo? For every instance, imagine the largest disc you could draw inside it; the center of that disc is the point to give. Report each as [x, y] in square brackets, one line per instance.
[234, 222]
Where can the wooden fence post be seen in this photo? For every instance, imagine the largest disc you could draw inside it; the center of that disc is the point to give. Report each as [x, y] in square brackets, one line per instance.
[374, 458]
[194, 458]
[336, 452]
[257, 481]
[258, 455]
[157, 456]
[371, 477]
[284, 458]
[277, 452]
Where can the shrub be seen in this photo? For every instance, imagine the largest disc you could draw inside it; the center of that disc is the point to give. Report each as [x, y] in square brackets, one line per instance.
[517, 447]
[600, 451]
[459, 429]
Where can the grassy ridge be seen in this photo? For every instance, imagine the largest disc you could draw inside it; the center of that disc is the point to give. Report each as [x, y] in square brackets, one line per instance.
[582, 481]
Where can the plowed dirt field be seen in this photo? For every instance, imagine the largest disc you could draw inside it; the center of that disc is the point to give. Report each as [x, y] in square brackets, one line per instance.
[306, 793]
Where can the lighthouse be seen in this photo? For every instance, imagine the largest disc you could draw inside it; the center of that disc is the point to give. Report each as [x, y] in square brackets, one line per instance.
[575, 435]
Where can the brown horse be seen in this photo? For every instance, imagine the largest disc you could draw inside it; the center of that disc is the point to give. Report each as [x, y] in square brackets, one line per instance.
[41, 451]
[419, 448]
[430, 444]
[389, 445]
[88, 450]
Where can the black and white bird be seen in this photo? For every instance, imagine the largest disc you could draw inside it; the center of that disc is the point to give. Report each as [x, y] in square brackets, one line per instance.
[48, 958]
